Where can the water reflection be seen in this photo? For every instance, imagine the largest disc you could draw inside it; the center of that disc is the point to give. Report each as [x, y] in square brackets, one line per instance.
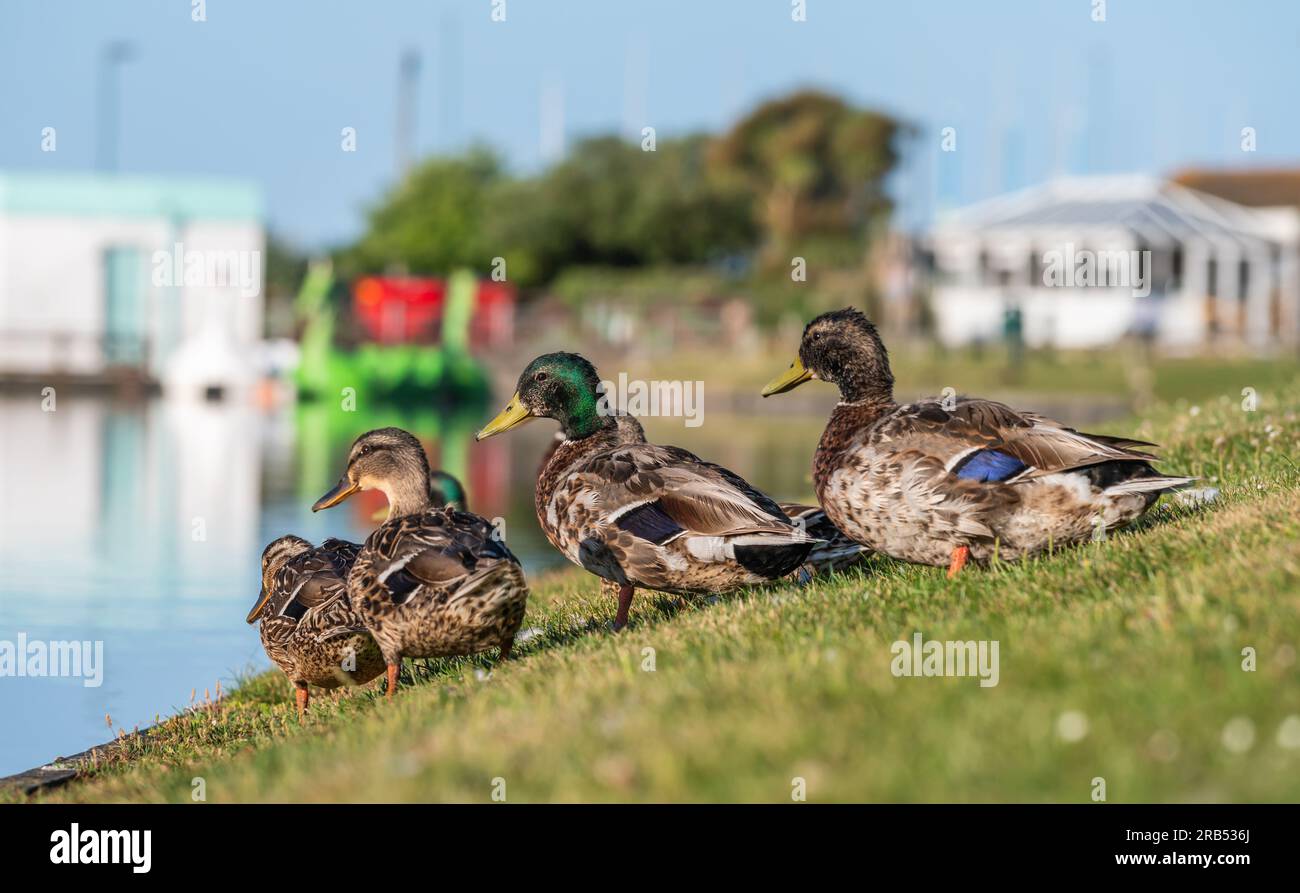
[141, 525]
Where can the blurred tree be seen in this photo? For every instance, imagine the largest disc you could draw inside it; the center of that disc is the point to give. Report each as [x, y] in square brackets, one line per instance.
[686, 213]
[805, 171]
[609, 203]
[816, 167]
[431, 222]
[285, 266]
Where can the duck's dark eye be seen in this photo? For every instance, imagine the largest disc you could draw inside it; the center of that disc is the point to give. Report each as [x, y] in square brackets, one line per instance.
[540, 376]
[365, 449]
[816, 336]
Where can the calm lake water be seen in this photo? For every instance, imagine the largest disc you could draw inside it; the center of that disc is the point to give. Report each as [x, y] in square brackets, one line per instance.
[141, 525]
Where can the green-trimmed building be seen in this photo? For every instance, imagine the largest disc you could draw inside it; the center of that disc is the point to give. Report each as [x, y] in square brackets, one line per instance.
[113, 277]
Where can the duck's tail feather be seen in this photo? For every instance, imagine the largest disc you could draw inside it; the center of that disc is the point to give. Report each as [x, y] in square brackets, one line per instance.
[772, 559]
[1158, 484]
[837, 553]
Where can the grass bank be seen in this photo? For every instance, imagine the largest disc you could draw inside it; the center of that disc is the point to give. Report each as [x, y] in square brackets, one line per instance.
[1121, 661]
[1121, 375]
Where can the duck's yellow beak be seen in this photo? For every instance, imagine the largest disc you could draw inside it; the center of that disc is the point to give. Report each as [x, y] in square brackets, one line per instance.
[789, 379]
[339, 492]
[257, 608]
[513, 415]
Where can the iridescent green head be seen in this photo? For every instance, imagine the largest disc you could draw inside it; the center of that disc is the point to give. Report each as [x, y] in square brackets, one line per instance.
[560, 386]
[444, 489]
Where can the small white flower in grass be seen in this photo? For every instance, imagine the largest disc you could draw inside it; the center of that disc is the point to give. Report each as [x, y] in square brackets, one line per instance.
[1288, 733]
[1194, 411]
[1071, 726]
[1238, 735]
[527, 635]
[482, 675]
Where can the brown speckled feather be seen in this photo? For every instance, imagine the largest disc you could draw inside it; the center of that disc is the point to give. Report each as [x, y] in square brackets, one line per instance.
[1044, 445]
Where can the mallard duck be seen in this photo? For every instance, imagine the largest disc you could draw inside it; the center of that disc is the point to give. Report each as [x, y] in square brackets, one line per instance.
[308, 627]
[428, 582]
[640, 514]
[941, 482]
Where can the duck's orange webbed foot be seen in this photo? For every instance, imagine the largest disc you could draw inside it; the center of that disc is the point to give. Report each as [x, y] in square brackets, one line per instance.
[959, 556]
[624, 605]
[392, 681]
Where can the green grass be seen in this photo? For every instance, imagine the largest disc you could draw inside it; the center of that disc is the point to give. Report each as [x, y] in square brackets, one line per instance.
[1142, 634]
[1121, 375]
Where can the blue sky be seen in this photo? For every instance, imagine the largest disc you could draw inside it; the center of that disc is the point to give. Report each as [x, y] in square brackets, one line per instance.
[263, 87]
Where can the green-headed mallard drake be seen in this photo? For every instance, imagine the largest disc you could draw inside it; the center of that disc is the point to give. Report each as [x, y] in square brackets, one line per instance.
[640, 514]
[308, 627]
[428, 582]
[940, 482]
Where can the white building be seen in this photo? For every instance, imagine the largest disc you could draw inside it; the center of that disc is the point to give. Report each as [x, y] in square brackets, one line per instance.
[1085, 261]
[108, 277]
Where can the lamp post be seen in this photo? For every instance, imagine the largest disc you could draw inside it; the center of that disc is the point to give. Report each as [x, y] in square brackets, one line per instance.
[408, 79]
[114, 54]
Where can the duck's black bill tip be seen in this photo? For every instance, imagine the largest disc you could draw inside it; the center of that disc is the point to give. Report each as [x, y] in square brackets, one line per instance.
[339, 492]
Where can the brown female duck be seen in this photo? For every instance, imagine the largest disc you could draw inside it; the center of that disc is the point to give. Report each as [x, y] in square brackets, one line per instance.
[429, 582]
[308, 627]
